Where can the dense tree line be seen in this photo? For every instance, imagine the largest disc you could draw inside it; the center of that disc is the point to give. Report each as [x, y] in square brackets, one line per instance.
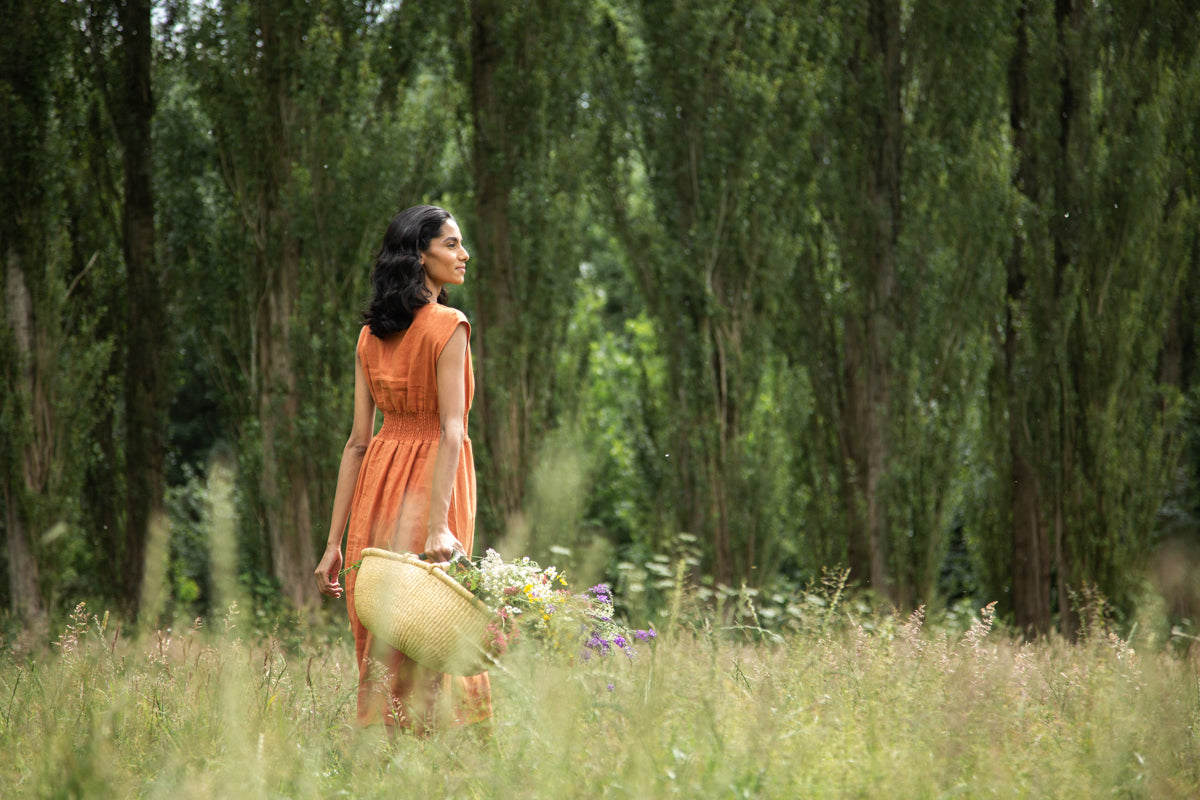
[909, 287]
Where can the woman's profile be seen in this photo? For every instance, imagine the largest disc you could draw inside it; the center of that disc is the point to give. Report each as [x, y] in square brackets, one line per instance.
[411, 486]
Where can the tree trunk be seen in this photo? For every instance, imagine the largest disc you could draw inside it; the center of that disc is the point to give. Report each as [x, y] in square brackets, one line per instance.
[868, 337]
[23, 580]
[1032, 560]
[287, 508]
[884, 195]
[25, 598]
[851, 426]
[146, 322]
[724, 458]
[286, 493]
[32, 49]
[1171, 359]
[1068, 194]
[504, 395]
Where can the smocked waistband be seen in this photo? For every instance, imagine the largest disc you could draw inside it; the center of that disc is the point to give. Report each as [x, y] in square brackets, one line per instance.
[424, 425]
[421, 426]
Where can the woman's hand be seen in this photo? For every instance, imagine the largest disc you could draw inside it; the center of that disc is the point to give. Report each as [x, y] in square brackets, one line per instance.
[441, 544]
[327, 572]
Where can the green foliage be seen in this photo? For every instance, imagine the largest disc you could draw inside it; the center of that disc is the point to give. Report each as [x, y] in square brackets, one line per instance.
[702, 200]
[188, 514]
[61, 338]
[623, 425]
[674, 211]
[1100, 232]
[525, 70]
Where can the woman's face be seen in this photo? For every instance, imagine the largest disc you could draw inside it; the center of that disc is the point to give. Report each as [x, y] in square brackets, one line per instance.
[445, 261]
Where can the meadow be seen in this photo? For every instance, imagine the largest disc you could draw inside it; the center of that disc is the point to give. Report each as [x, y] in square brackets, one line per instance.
[850, 704]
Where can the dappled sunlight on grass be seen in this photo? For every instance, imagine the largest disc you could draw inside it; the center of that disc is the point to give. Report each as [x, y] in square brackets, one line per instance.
[895, 708]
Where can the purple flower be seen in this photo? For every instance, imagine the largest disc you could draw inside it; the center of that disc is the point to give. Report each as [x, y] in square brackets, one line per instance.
[602, 592]
[619, 640]
[611, 688]
[643, 636]
[598, 643]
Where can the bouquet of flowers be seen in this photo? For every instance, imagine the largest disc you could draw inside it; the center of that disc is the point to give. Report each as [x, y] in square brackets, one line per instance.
[531, 601]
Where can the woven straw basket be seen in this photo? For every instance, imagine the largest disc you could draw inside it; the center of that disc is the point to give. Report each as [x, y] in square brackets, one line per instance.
[421, 611]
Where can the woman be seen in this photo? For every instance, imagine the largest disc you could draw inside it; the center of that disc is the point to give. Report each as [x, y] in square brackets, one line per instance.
[411, 487]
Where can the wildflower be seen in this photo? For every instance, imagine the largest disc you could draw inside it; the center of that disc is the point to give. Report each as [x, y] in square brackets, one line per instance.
[599, 644]
[602, 592]
[527, 597]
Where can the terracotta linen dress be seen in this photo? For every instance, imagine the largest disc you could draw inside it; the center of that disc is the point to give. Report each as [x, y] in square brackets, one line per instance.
[394, 483]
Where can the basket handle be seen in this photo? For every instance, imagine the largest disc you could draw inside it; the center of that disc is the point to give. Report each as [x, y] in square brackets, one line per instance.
[458, 556]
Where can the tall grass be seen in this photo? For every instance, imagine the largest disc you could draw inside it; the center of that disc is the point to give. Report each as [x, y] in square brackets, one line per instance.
[884, 708]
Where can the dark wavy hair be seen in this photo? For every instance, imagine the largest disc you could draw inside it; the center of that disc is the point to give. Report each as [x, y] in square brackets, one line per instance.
[398, 280]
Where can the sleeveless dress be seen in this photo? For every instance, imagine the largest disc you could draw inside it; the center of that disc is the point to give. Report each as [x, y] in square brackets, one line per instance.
[394, 483]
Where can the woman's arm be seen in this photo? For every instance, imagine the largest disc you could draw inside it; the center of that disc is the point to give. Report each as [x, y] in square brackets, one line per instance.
[352, 458]
[452, 406]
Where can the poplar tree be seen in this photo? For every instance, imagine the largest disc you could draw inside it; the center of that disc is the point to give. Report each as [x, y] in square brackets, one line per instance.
[525, 73]
[1097, 257]
[709, 109]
